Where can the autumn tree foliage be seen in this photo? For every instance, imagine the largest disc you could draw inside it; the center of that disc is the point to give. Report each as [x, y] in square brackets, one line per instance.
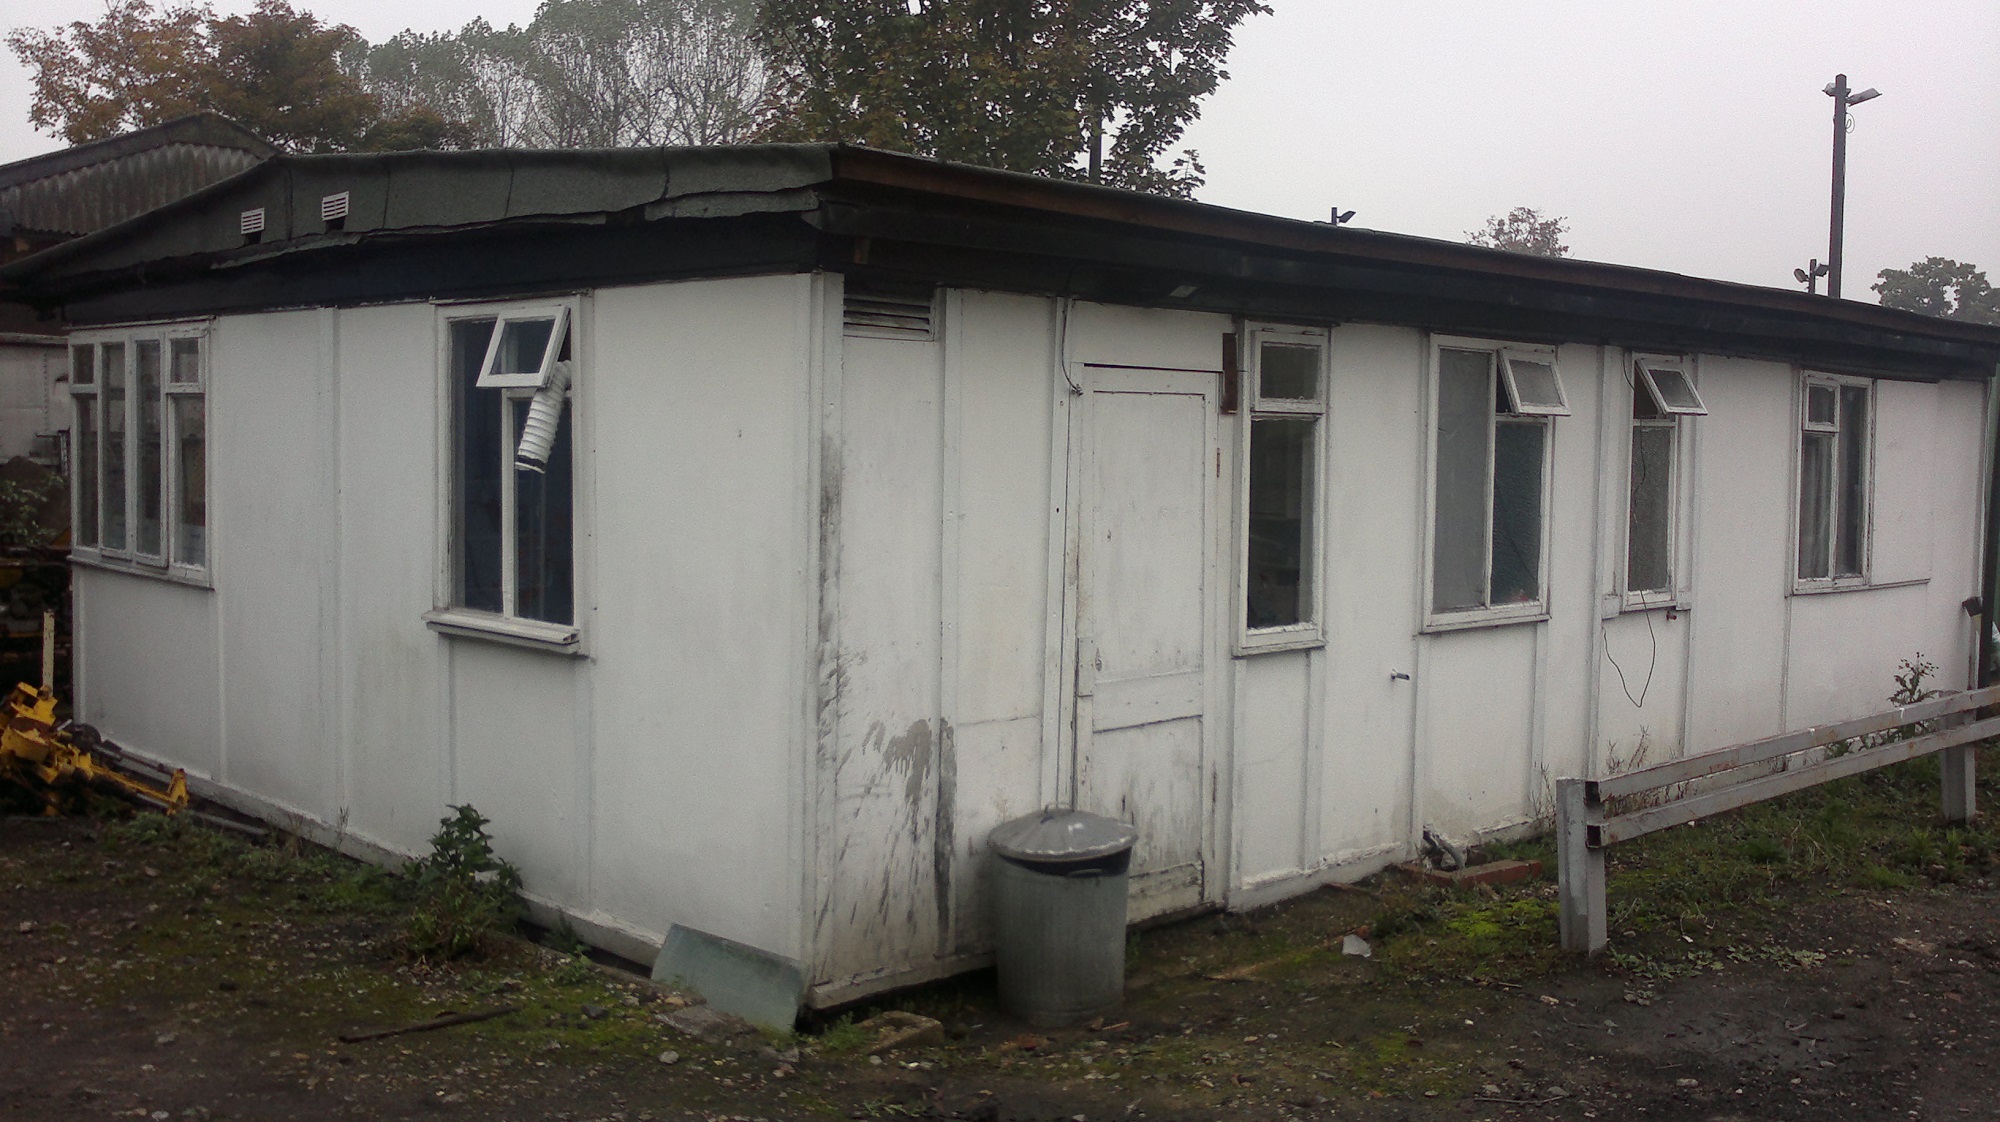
[1523, 230]
[281, 72]
[1081, 89]
[1939, 286]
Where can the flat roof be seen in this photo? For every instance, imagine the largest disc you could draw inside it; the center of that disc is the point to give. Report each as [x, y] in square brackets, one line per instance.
[447, 224]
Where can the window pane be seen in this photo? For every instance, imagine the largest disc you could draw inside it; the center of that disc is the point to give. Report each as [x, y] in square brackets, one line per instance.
[477, 440]
[1819, 405]
[85, 466]
[1851, 543]
[1676, 391]
[151, 473]
[1517, 511]
[1647, 539]
[114, 446]
[544, 528]
[1465, 413]
[1289, 371]
[190, 479]
[82, 367]
[1535, 384]
[184, 361]
[523, 344]
[1281, 513]
[1815, 503]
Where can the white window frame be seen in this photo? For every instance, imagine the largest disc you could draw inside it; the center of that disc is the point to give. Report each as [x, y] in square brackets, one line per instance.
[1641, 368]
[1310, 631]
[1833, 582]
[447, 617]
[1455, 619]
[168, 563]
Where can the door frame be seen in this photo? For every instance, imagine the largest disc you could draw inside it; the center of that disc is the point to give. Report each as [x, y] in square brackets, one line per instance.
[1068, 447]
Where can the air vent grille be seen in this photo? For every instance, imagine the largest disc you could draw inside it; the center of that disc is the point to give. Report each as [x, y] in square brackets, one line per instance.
[332, 208]
[251, 221]
[890, 309]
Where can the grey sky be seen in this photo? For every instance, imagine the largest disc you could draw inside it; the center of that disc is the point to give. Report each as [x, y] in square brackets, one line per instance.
[1689, 136]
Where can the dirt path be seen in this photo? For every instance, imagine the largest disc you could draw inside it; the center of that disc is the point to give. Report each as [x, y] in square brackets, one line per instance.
[140, 981]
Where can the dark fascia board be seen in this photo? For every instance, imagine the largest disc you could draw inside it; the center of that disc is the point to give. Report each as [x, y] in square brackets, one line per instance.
[1000, 229]
[860, 166]
[212, 129]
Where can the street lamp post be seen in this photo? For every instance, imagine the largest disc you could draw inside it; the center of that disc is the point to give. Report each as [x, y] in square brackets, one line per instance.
[1842, 99]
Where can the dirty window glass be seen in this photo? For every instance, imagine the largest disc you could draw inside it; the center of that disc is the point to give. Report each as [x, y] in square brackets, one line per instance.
[115, 422]
[1850, 540]
[478, 440]
[83, 455]
[1815, 504]
[1517, 511]
[1288, 371]
[1464, 429]
[190, 479]
[543, 530]
[1281, 511]
[1648, 541]
[150, 493]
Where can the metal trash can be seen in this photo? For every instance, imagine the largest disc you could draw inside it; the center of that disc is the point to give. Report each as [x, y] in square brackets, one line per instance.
[1059, 914]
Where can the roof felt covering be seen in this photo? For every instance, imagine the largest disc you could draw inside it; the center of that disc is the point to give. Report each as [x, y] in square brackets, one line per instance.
[441, 224]
[92, 186]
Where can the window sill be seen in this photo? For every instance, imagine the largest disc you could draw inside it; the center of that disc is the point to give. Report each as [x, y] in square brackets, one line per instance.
[1853, 584]
[170, 574]
[1653, 602]
[1491, 617]
[1303, 637]
[553, 638]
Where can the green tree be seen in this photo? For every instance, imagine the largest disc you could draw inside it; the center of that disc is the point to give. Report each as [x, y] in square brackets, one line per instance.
[587, 74]
[1523, 230]
[279, 71]
[1080, 89]
[1939, 286]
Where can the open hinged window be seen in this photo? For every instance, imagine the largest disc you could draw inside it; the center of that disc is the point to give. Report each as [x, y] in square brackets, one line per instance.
[1666, 382]
[522, 353]
[1530, 386]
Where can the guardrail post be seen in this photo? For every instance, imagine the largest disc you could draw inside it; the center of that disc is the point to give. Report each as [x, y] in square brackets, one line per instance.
[1960, 769]
[1579, 871]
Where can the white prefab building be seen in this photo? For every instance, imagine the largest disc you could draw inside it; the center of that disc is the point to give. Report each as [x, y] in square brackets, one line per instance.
[748, 531]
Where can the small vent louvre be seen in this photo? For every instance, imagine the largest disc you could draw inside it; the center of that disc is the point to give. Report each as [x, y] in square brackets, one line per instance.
[890, 310]
[333, 207]
[251, 221]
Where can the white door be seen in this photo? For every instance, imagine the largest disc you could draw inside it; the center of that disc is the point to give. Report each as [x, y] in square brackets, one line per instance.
[1146, 471]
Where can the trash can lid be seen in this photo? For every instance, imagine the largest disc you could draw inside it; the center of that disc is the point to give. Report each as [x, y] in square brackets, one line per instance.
[1057, 834]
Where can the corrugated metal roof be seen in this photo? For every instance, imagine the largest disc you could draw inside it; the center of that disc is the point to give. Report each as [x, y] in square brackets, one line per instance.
[94, 186]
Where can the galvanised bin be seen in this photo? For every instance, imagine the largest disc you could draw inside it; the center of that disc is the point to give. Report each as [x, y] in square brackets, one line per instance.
[1059, 885]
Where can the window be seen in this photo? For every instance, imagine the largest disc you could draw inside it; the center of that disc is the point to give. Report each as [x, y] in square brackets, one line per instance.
[1493, 410]
[141, 448]
[1662, 393]
[510, 520]
[1287, 395]
[1835, 414]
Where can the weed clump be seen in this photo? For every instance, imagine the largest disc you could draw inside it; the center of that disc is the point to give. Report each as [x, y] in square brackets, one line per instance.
[461, 892]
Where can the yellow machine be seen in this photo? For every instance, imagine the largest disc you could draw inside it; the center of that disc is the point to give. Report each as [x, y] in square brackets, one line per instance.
[38, 754]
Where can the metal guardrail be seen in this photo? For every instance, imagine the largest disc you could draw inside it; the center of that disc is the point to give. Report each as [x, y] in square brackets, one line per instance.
[1584, 832]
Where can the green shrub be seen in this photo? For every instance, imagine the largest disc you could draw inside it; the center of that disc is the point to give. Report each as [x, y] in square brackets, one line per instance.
[461, 893]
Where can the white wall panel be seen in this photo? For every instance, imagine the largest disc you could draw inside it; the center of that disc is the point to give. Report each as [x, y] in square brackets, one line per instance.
[1744, 551]
[1480, 699]
[1905, 484]
[148, 676]
[1270, 765]
[272, 480]
[1374, 482]
[697, 403]
[392, 782]
[1119, 336]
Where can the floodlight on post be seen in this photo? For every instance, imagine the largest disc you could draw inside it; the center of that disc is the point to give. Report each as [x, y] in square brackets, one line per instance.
[1809, 276]
[1842, 99]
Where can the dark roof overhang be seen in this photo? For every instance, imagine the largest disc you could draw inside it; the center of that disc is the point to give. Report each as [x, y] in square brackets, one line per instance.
[424, 225]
